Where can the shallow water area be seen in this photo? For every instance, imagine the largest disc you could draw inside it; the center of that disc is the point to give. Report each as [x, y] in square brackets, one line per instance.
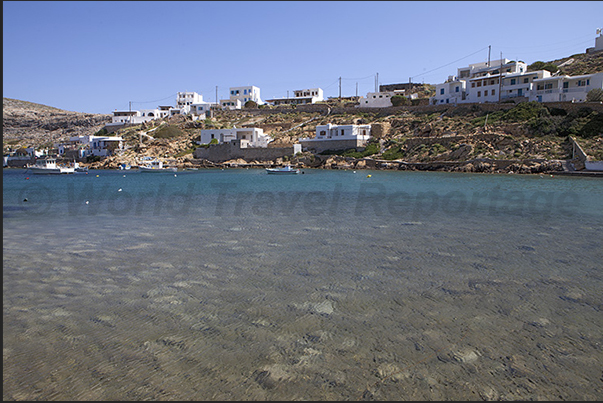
[331, 285]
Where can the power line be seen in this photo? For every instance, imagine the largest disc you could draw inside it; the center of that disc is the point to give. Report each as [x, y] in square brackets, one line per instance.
[419, 75]
[363, 78]
[148, 102]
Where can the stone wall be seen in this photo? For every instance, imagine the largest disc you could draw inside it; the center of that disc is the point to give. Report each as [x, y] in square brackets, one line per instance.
[232, 150]
[323, 145]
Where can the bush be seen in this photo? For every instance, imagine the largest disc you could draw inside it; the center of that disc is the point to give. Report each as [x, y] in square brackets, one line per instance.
[399, 100]
[167, 132]
[543, 66]
[251, 104]
[594, 95]
[214, 141]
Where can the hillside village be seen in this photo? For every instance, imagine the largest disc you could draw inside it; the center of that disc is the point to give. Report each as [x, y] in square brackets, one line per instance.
[494, 116]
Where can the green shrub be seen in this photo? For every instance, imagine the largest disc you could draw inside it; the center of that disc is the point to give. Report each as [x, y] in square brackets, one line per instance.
[399, 100]
[251, 104]
[595, 95]
[393, 153]
[214, 141]
[167, 132]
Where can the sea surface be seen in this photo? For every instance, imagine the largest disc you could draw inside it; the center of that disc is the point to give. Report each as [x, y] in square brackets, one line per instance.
[328, 285]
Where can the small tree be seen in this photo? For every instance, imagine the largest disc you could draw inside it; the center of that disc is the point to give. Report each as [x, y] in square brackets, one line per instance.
[251, 104]
[594, 95]
[399, 100]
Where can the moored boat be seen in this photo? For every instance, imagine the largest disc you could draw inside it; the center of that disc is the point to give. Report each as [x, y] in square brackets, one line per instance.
[49, 166]
[149, 164]
[283, 170]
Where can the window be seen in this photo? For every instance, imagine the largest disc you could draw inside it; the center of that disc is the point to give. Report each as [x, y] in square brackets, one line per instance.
[479, 93]
[566, 85]
[479, 83]
[491, 82]
[442, 91]
[472, 85]
[513, 81]
[526, 80]
[322, 133]
[548, 86]
[342, 132]
[493, 92]
[456, 89]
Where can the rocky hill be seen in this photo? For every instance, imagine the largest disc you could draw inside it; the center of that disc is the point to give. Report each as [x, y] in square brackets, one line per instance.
[416, 135]
[26, 124]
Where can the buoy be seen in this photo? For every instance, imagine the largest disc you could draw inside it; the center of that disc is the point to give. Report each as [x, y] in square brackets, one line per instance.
[87, 202]
[97, 176]
[124, 176]
[27, 177]
[175, 175]
[368, 176]
[354, 171]
[119, 190]
[25, 199]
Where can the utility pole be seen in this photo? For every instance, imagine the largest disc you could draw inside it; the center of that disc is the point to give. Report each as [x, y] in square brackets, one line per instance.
[356, 89]
[217, 96]
[489, 55]
[339, 87]
[500, 79]
[377, 83]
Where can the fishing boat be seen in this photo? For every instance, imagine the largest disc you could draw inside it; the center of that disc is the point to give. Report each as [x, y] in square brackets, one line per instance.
[78, 168]
[283, 170]
[49, 166]
[149, 164]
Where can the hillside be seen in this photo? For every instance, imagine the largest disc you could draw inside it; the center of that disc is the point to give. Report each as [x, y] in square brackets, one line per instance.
[419, 134]
[26, 124]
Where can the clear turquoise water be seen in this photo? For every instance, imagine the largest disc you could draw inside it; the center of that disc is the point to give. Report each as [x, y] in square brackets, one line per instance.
[237, 285]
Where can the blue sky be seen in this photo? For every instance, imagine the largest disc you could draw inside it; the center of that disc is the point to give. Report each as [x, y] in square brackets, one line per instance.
[96, 57]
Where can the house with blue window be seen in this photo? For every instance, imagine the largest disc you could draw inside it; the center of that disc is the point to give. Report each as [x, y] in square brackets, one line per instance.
[240, 95]
[565, 88]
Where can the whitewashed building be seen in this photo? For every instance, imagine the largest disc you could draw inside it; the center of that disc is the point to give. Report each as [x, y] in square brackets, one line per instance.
[249, 136]
[91, 145]
[598, 42]
[337, 137]
[382, 99]
[240, 95]
[300, 97]
[565, 88]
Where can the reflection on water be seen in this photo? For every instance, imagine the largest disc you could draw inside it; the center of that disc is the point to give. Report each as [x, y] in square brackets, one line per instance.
[241, 286]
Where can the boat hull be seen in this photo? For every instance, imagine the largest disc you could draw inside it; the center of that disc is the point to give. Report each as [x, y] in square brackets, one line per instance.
[157, 170]
[276, 171]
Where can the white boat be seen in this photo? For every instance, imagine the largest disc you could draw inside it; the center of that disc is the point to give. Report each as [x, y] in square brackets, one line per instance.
[284, 170]
[49, 166]
[78, 168]
[149, 164]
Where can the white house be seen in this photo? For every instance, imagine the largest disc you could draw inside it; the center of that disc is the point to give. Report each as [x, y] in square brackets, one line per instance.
[249, 136]
[301, 97]
[240, 95]
[337, 137]
[565, 88]
[381, 99]
[481, 82]
[92, 145]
